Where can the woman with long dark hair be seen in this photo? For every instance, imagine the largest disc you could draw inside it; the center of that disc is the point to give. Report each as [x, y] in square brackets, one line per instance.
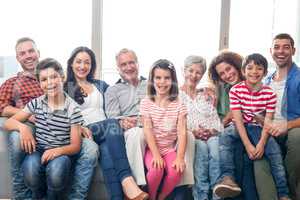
[89, 94]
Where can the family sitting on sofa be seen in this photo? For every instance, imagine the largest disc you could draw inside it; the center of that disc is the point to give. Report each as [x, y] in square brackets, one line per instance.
[154, 139]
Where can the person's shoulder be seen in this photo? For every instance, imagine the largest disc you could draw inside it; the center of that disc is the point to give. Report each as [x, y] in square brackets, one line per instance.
[10, 80]
[146, 100]
[115, 88]
[266, 89]
[100, 85]
[37, 102]
[238, 86]
[99, 82]
[71, 102]
[297, 69]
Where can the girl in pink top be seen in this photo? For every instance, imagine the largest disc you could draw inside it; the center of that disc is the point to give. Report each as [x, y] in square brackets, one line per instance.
[164, 122]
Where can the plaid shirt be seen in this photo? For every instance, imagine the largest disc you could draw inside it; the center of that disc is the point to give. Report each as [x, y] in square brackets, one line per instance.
[19, 90]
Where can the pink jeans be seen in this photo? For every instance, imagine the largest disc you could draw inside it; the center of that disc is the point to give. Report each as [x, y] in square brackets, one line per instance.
[155, 176]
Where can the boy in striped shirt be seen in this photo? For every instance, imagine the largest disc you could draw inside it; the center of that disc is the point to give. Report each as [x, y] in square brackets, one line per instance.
[47, 165]
[249, 99]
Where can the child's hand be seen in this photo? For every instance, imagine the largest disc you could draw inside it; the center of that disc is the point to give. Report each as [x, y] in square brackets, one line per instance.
[32, 119]
[27, 139]
[251, 151]
[85, 132]
[50, 154]
[158, 162]
[260, 149]
[179, 165]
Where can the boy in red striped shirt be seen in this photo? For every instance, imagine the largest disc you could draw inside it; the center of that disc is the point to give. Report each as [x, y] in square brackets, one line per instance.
[249, 99]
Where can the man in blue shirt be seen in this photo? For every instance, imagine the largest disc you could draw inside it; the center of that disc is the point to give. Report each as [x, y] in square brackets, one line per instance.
[286, 126]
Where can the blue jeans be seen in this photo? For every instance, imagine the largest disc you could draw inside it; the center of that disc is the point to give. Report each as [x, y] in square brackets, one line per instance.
[50, 177]
[206, 167]
[83, 166]
[273, 155]
[16, 157]
[114, 162]
[230, 148]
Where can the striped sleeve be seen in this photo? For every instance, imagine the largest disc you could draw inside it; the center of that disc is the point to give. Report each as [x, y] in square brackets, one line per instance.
[235, 103]
[76, 117]
[31, 106]
[182, 109]
[144, 107]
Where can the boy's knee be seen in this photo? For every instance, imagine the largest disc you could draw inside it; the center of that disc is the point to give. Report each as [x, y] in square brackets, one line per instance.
[57, 172]
[56, 183]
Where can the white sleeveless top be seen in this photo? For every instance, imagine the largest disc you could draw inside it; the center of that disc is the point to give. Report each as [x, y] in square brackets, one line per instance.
[92, 108]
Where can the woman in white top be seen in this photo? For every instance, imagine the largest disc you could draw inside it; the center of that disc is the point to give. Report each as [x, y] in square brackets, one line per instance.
[88, 93]
[204, 123]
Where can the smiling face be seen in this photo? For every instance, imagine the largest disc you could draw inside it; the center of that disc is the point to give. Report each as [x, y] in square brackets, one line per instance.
[162, 82]
[254, 74]
[282, 52]
[128, 67]
[81, 65]
[227, 73]
[51, 82]
[193, 74]
[27, 55]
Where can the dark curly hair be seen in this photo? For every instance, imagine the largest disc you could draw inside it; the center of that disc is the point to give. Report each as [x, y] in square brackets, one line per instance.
[228, 57]
[71, 86]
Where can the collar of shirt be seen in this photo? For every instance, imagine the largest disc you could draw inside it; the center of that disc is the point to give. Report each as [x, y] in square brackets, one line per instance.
[66, 103]
[27, 75]
[292, 70]
[126, 82]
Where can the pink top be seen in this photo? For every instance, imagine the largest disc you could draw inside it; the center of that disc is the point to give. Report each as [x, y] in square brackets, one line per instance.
[251, 102]
[164, 122]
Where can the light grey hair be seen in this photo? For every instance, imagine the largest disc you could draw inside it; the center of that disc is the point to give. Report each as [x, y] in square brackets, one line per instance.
[190, 60]
[24, 39]
[125, 50]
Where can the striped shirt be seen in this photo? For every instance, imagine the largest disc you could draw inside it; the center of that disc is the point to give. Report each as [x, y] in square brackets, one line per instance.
[164, 122]
[53, 127]
[252, 102]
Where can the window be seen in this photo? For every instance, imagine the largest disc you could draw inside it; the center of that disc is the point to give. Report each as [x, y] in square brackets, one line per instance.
[254, 23]
[57, 27]
[157, 29]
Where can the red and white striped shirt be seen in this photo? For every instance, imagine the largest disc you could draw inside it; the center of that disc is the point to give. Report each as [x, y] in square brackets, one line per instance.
[164, 122]
[251, 102]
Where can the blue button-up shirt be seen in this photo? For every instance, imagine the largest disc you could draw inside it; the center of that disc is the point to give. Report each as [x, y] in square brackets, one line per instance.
[290, 102]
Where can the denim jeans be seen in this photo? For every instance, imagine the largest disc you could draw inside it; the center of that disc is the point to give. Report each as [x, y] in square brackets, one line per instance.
[83, 166]
[50, 177]
[114, 162]
[273, 155]
[16, 156]
[206, 167]
[231, 154]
